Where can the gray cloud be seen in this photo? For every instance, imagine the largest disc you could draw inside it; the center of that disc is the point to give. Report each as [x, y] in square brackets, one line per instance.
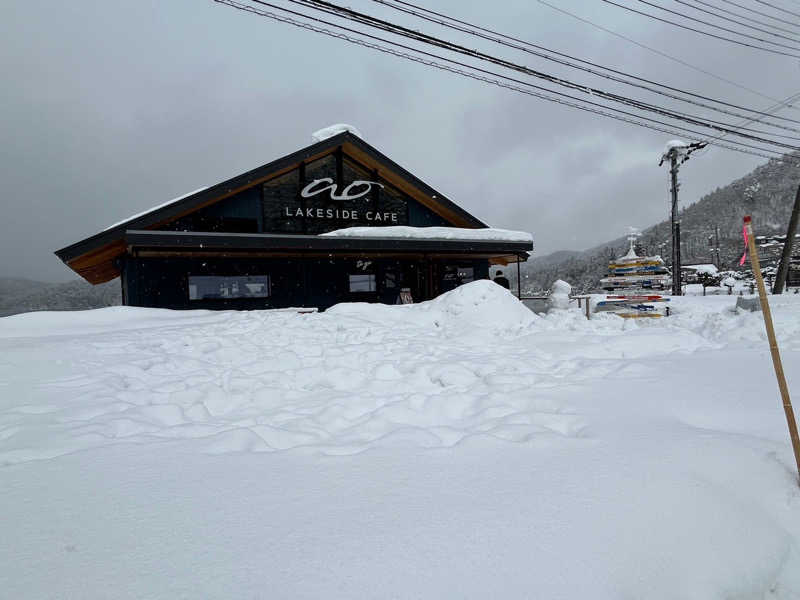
[112, 107]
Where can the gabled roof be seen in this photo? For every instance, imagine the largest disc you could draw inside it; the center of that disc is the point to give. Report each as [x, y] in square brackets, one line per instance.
[95, 258]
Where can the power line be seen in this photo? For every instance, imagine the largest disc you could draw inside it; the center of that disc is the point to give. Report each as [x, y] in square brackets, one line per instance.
[499, 38]
[758, 12]
[713, 35]
[742, 147]
[735, 21]
[659, 52]
[383, 25]
[788, 12]
[775, 107]
[720, 27]
[752, 20]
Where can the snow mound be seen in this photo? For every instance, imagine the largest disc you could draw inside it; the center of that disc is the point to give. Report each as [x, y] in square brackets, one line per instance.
[332, 130]
[482, 304]
[479, 305]
[439, 233]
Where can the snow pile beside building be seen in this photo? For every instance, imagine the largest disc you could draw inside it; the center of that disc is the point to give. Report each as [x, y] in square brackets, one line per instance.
[481, 305]
[435, 233]
[488, 451]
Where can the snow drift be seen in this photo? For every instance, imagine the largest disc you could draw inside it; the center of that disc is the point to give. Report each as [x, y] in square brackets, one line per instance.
[486, 450]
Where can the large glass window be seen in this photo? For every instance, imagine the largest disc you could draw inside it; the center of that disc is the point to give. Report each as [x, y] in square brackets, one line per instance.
[208, 287]
[453, 276]
[362, 283]
[458, 275]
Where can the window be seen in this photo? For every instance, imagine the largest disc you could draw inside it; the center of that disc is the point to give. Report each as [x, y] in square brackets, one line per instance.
[208, 287]
[466, 274]
[458, 275]
[362, 282]
[453, 276]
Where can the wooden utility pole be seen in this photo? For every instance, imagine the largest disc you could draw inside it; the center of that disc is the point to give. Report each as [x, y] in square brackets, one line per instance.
[676, 240]
[673, 151]
[786, 255]
[773, 344]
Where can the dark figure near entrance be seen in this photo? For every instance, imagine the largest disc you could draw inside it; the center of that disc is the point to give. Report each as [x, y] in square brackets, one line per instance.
[500, 280]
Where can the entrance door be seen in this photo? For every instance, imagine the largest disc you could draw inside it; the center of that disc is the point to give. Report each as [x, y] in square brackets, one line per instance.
[452, 275]
[397, 276]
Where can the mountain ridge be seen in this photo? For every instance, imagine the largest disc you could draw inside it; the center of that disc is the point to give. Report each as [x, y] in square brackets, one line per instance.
[766, 193]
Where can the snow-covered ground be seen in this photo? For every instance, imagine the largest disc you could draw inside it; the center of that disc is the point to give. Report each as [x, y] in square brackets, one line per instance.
[460, 448]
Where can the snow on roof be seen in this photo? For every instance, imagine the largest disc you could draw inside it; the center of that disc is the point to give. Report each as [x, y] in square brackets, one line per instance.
[680, 144]
[710, 269]
[332, 130]
[144, 212]
[439, 233]
[631, 253]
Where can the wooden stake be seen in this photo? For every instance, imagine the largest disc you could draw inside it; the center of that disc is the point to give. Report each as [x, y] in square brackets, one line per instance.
[773, 344]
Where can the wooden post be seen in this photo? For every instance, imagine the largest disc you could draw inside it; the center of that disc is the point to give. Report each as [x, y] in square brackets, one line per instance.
[773, 344]
[588, 308]
[676, 240]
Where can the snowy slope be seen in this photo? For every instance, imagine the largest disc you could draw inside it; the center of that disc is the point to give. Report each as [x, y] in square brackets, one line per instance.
[463, 447]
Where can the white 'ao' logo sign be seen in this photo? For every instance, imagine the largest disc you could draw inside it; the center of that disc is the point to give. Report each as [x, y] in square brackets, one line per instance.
[313, 188]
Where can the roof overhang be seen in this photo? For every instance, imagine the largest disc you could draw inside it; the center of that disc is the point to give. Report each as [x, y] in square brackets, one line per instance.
[198, 243]
[96, 258]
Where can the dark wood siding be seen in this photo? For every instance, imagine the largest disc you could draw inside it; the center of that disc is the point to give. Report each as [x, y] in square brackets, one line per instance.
[240, 213]
[301, 282]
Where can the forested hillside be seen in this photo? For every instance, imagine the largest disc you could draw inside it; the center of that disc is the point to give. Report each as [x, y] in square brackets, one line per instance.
[22, 295]
[767, 193]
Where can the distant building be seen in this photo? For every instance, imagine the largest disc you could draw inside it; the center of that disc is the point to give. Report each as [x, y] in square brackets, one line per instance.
[693, 273]
[770, 249]
[253, 241]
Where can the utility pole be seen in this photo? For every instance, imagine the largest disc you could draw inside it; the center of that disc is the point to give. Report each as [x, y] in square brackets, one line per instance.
[678, 153]
[786, 255]
[676, 240]
[676, 249]
[713, 247]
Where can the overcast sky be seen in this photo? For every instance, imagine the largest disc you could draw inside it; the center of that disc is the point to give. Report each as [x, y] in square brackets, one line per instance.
[108, 108]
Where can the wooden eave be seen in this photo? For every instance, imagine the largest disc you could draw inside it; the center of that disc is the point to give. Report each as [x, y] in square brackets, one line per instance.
[191, 242]
[96, 258]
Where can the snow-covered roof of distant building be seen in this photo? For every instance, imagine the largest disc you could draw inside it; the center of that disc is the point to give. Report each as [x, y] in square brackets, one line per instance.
[335, 129]
[705, 268]
[437, 233]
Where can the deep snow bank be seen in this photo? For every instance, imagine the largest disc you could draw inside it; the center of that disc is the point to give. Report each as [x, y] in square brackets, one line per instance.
[480, 305]
[486, 450]
[339, 382]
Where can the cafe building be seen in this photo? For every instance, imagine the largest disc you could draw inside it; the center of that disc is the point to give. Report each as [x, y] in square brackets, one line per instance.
[259, 240]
